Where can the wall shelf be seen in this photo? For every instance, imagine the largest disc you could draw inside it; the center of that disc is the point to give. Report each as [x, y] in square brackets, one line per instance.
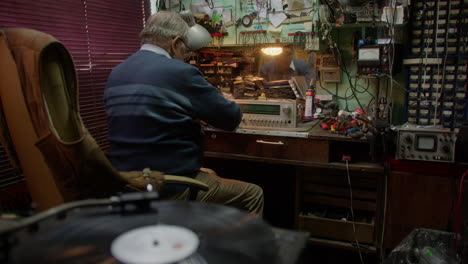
[364, 25]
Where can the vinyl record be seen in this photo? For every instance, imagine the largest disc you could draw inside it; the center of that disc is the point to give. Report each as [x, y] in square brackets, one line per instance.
[225, 235]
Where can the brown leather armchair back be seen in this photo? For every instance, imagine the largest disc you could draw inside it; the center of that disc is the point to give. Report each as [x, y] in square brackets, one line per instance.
[39, 94]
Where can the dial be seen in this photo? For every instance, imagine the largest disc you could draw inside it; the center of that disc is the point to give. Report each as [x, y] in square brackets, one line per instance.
[246, 21]
[446, 149]
[286, 109]
[408, 139]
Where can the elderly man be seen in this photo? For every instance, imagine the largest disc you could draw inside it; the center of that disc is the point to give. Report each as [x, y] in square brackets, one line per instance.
[284, 67]
[155, 103]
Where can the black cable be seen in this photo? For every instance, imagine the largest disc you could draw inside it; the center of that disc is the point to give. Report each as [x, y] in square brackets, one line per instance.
[345, 69]
[337, 96]
[366, 90]
[210, 3]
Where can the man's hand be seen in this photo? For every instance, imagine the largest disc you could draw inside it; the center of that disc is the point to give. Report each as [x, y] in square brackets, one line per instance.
[201, 122]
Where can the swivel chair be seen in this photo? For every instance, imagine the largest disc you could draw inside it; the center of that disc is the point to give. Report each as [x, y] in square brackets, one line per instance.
[59, 158]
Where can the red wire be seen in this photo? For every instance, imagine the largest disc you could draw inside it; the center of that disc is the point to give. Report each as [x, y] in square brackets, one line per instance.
[459, 205]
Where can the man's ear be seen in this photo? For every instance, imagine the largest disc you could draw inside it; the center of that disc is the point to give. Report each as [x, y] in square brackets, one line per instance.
[173, 45]
[177, 41]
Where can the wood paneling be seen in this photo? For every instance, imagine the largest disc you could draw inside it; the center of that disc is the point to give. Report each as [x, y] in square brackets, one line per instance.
[417, 201]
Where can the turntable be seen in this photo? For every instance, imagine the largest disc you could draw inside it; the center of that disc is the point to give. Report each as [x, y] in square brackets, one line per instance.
[138, 228]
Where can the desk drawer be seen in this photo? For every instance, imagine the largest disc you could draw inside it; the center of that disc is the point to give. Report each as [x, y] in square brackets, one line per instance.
[336, 229]
[286, 148]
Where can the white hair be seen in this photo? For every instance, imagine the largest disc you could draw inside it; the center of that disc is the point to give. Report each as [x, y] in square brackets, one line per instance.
[162, 27]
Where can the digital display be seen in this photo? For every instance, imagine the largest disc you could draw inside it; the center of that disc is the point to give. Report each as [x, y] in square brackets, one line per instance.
[260, 109]
[369, 54]
[426, 143]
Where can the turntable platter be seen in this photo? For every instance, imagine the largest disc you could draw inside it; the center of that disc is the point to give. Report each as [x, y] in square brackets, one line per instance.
[225, 235]
[156, 244]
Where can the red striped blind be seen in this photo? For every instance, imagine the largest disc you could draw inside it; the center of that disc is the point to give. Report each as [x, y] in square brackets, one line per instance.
[98, 33]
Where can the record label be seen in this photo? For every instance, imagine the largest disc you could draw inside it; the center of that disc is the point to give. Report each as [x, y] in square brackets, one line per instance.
[155, 244]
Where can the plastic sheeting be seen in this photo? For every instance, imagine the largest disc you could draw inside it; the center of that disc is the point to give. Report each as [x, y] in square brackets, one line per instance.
[425, 246]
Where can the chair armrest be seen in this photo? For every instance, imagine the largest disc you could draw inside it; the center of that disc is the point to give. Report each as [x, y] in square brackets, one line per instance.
[192, 183]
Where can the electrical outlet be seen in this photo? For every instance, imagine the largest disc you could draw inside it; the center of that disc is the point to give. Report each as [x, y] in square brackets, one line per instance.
[330, 75]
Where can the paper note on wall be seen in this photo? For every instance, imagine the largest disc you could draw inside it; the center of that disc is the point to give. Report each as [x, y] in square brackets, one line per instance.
[262, 12]
[277, 18]
[227, 16]
[308, 26]
[299, 7]
[276, 5]
[275, 30]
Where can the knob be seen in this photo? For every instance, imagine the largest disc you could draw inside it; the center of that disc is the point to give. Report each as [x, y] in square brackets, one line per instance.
[446, 149]
[408, 140]
[286, 109]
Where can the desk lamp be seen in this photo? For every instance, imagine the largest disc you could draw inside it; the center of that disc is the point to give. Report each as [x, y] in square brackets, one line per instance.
[197, 36]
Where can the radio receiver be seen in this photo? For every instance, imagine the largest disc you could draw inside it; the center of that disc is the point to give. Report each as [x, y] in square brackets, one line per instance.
[270, 114]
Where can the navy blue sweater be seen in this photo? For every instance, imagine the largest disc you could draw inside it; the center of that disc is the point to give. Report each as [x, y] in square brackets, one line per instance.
[153, 104]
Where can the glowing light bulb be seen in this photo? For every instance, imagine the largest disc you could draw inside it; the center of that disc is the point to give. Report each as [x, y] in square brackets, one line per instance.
[272, 51]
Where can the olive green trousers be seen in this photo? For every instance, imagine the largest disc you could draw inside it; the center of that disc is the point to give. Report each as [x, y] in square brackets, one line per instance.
[242, 195]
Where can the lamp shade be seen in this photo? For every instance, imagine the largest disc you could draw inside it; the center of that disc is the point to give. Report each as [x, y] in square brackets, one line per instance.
[197, 37]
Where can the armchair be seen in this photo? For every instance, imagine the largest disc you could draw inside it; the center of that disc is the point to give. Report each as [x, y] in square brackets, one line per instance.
[60, 159]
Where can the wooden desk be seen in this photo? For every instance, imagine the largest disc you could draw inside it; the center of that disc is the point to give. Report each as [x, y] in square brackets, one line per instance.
[320, 179]
[316, 148]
